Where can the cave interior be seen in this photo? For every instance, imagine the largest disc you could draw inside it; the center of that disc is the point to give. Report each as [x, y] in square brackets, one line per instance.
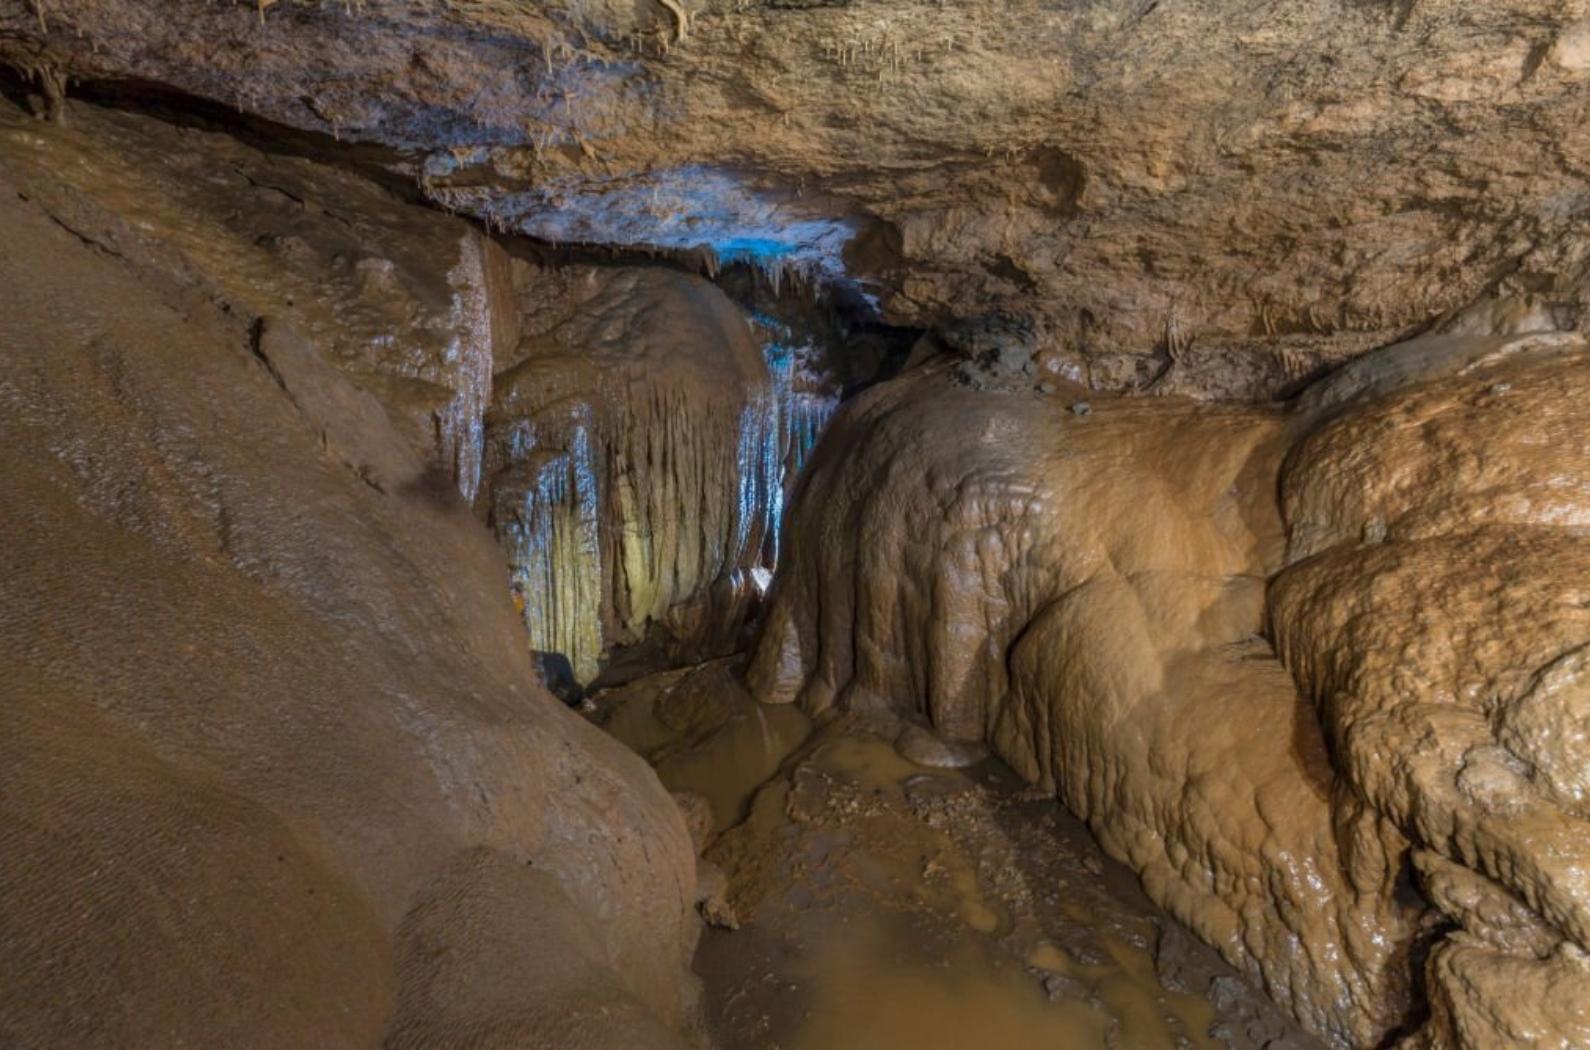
[828, 524]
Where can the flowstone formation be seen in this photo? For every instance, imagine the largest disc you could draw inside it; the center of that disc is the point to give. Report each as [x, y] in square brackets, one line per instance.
[642, 427]
[639, 443]
[274, 769]
[1082, 585]
[1437, 611]
[1302, 637]
[1084, 592]
[1239, 191]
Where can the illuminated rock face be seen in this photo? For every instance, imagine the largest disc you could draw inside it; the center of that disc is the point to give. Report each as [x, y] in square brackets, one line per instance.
[1090, 594]
[1248, 192]
[1085, 593]
[640, 441]
[1437, 612]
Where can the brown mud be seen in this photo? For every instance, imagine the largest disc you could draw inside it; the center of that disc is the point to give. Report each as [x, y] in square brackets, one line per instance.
[878, 902]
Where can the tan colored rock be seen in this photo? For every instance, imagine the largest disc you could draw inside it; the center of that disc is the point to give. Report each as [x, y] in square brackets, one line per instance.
[1497, 442]
[274, 770]
[1437, 617]
[1484, 998]
[392, 294]
[1220, 199]
[712, 896]
[697, 812]
[1084, 592]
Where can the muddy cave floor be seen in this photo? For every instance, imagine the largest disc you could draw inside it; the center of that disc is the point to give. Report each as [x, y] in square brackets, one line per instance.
[860, 900]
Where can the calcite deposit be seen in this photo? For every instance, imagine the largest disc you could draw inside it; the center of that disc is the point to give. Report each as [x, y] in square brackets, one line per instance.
[640, 439]
[1437, 611]
[1086, 591]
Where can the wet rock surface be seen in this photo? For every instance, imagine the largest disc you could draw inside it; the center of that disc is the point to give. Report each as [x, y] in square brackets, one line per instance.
[635, 461]
[628, 432]
[885, 903]
[860, 898]
[1436, 614]
[1092, 606]
[274, 768]
[1085, 594]
[1314, 674]
[704, 734]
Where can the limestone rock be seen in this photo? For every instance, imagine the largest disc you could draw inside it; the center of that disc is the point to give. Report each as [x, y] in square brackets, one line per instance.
[712, 896]
[1437, 618]
[635, 461]
[1222, 199]
[697, 811]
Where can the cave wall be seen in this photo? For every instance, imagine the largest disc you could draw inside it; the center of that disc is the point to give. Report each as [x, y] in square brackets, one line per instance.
[626, 430]
[1435, 610]
[275, 769]
[1081, 585]
[1219, 200]
[1091, 586]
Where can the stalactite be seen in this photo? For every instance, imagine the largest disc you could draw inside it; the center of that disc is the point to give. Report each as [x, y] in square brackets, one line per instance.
[684, 435]
[468, 357]
[801, 414]
[553, 541]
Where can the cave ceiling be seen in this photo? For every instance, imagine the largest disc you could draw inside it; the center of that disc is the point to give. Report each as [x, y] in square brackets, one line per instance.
[1237, 185]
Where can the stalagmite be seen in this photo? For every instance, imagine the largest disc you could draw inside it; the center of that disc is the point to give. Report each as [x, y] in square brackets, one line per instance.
[991, 462]
[1085, 592]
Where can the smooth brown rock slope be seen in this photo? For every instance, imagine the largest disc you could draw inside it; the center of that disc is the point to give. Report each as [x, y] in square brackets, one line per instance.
[1237, 191]
[274, 770]
[618, 426]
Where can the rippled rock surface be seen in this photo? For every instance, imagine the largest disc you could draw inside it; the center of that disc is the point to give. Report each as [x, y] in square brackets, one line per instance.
[1437, 610]
[1250, 191]
[1085, 592]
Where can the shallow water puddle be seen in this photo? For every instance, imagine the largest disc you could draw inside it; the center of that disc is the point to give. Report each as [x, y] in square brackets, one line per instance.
[736, 759]
[704, 734]
[872, 990]
[886, 905]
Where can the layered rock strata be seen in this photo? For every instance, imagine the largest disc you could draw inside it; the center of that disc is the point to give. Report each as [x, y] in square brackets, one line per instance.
[1237, 193]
